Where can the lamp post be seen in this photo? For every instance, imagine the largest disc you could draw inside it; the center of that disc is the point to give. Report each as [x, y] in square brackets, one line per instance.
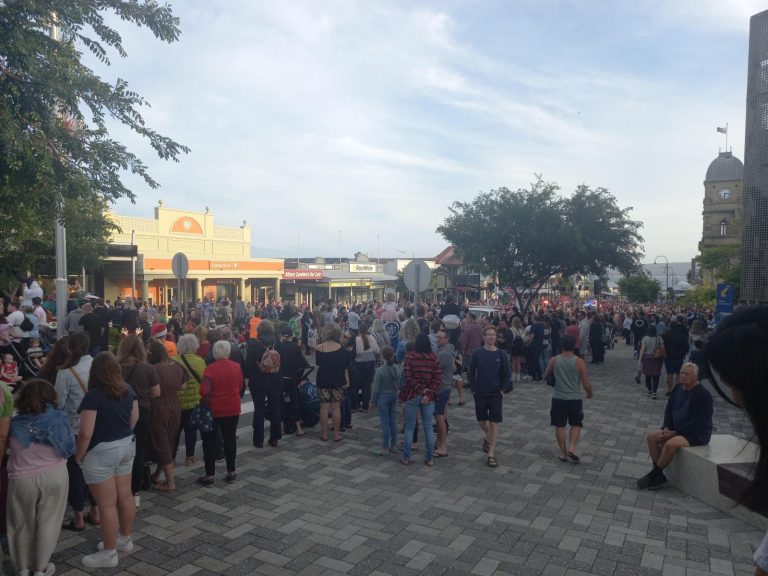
[666, 274]
[61, 241]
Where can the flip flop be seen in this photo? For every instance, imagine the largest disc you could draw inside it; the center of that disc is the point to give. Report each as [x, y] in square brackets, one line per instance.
[71, 526]
[492, 463]
[573, 457]
[438, 455]
[300, 435]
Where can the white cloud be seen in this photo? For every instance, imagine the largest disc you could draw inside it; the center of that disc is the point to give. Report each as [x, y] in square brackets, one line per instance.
[373, 118]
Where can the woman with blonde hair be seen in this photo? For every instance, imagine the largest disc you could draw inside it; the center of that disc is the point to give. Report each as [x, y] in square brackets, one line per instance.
[332, 378]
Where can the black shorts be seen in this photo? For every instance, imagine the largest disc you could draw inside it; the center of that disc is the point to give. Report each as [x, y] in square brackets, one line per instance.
[488, 406]
[566, 411]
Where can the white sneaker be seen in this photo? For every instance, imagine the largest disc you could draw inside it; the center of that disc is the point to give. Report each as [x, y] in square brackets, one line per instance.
[49, 570]
[124, 544]
[101, 559]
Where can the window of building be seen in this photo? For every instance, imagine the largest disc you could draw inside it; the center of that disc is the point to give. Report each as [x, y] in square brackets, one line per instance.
[723, 228]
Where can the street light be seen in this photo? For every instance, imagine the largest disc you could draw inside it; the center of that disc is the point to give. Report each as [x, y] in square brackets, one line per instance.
[666, 273]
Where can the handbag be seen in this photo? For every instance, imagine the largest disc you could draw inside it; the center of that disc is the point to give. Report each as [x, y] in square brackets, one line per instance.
[660, 353]
[201, 418]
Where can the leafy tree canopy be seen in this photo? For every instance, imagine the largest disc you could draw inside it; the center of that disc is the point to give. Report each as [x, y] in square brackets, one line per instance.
[57, 159]
[702, 296]
[720, 259]
[639, 288]
[527, 236]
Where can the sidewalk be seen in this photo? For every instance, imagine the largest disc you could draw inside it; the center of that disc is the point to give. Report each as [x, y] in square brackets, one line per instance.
[312, 507]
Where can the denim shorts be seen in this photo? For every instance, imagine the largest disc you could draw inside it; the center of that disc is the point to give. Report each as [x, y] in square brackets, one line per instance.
[109, 459]
[442, 401]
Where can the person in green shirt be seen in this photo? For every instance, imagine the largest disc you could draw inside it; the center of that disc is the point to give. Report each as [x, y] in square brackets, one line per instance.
[570, 374]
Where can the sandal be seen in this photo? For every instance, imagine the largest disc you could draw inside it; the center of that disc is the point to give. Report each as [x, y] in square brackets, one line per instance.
[492, 463]
[439, 455]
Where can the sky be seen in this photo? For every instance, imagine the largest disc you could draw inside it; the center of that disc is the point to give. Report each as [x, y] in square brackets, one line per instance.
[346, 126]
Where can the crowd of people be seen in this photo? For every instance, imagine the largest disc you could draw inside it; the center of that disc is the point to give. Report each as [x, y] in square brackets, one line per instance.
[128, 379]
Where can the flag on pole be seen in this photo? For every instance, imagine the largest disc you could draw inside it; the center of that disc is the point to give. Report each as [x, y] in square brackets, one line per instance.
[722, 129]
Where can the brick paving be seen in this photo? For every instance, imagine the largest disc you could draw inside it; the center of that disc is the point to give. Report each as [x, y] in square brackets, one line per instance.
[315, 508]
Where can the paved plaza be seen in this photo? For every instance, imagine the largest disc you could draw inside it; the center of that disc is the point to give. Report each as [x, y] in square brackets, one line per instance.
[310, 507]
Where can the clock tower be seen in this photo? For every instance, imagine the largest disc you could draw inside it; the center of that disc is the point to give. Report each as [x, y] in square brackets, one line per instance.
[723, 188]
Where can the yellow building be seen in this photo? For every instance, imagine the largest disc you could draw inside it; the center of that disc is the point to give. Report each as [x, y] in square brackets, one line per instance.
[220, 262]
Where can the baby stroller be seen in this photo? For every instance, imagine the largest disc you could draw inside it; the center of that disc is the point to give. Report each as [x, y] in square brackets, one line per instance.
[310, 400]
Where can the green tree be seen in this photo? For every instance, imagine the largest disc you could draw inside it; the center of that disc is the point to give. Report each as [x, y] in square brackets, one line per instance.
[639, 288]
[57, 159]
[720, 259]
[702, 296]
[527, 236]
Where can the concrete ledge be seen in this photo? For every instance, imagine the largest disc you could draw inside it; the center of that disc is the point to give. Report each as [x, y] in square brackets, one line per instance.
[694, 471]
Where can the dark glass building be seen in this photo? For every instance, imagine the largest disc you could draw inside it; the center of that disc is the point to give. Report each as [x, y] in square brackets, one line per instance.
[754, 248]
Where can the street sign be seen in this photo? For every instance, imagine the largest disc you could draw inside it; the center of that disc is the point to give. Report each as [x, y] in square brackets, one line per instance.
[724, 300]
[417, 276]
[180, 266]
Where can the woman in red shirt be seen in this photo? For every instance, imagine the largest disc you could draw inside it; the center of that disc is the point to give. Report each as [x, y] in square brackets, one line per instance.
[220, 389]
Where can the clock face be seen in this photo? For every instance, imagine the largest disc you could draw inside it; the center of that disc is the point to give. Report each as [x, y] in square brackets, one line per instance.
[725, 193]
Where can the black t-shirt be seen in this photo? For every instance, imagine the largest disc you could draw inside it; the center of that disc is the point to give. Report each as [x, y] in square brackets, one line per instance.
[93, 324]
[113, 415]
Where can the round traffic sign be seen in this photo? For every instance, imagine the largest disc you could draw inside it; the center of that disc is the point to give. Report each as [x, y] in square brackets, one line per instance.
[417, 276]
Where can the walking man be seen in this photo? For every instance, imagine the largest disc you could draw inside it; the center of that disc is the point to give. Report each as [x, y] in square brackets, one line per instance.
[489, 377]
[570, 373]
[446, 356]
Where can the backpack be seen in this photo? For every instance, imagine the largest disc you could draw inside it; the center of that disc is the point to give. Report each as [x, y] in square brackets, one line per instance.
[270, 361]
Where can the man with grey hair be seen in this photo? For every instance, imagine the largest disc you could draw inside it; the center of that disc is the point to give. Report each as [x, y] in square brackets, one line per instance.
[687, 422]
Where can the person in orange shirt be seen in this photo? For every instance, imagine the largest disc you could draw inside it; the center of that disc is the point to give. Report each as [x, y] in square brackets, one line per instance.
[253, 325]
[159, 332]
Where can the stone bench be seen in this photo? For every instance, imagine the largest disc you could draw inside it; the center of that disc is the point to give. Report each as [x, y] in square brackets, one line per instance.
[717, 474]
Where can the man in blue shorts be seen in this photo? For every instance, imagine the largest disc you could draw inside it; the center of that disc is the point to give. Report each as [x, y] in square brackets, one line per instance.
[489, 376]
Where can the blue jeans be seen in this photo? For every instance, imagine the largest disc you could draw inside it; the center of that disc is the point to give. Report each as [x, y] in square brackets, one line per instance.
[411, 407]
[387, 406]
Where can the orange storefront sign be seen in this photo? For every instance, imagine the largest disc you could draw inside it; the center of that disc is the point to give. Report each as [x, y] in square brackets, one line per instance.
[164, 264]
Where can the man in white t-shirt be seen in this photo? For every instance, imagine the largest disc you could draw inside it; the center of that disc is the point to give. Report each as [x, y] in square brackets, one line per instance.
[15, 318]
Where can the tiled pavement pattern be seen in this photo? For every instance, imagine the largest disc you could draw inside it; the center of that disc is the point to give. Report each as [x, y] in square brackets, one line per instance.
[311, 508]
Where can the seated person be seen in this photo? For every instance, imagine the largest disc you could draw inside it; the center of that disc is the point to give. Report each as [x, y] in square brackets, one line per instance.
[687, 422]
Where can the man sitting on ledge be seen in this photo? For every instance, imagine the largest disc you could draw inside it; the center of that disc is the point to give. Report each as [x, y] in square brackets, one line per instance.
[687, 422]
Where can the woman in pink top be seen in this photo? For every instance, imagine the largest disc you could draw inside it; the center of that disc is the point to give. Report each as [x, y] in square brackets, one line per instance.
[41, 440]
